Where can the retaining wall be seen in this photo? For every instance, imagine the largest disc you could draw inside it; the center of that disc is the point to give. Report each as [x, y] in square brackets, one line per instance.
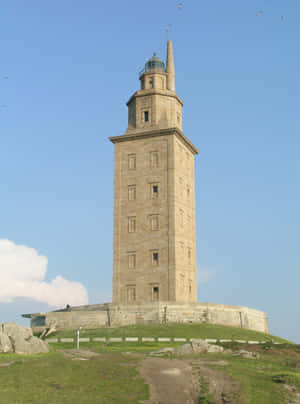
[110, 315]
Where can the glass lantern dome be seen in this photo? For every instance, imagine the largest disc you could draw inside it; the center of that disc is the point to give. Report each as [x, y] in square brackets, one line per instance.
[155, 63]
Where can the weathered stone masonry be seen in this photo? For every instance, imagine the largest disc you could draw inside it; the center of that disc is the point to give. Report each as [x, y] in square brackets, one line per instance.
[95, 316]
[154, 257]
[154, 199]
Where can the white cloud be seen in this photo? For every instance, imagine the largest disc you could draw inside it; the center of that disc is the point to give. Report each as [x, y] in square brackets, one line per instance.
[206, 274]
[22, 275]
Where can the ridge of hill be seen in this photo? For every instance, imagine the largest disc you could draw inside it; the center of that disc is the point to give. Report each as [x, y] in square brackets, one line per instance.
[174, 330]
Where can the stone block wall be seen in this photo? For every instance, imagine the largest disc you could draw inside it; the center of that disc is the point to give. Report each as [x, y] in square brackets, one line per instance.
[98, 316]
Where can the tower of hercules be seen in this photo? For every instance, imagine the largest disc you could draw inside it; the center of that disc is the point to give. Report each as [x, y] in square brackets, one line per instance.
[154, 261]
[154, 195]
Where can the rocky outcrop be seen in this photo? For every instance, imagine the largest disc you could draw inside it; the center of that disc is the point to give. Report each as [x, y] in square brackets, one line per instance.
[5, 343]
[195, 346]
[17, 339]
[246, 354]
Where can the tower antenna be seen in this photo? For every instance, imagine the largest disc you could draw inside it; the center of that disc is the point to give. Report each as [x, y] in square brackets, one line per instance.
[167, 31]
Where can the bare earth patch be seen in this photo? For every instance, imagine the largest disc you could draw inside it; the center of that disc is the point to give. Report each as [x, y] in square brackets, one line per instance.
[6, 364]
[296, 394]
[79, 354]
[177, 381]
[220, 385]
[171, 381]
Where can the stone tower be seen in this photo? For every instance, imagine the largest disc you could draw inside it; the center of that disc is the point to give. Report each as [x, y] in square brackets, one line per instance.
[154, 195]
[154, 274]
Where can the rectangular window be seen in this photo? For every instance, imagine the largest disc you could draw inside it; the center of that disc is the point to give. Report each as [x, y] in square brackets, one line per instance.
[146, 116]
[155, 293]
[132, 161]
[132, 224]
[155, 258]
[182, 279]
[189, 255]
[154, 190]
[182, 248]
[131, 260]
[131, 293]
[154, 222]
[188, 192]
[131, 192]
[154, 159]
[181, 217]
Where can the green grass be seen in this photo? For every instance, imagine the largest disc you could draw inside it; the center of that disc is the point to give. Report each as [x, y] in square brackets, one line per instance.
[173, 330]
[205, 397]
[112, 377]
[143, 348]
[53, 378]
[261, 380]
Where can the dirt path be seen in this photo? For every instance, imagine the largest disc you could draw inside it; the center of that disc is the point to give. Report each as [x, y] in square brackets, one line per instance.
[222, 387]
[171, 381]
[177, 381]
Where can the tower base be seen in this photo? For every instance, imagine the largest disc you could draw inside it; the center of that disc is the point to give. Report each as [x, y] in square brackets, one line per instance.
[111, 315]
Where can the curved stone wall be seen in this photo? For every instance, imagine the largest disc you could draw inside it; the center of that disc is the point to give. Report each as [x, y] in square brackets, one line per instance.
[105, 315]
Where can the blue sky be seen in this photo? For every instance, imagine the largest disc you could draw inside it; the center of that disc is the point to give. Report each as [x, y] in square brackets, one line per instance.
[72, 66]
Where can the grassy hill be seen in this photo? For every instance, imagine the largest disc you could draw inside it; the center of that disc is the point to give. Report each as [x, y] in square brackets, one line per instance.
[110, 373]
[174, 330]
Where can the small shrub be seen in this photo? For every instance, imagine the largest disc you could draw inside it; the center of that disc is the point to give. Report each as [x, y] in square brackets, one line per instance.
[205, 397]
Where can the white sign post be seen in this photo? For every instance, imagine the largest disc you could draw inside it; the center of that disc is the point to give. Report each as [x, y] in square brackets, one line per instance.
[78, 336]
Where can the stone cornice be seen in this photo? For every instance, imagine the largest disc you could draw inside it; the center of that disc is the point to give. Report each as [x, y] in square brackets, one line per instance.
[155, 133]
[146, 93]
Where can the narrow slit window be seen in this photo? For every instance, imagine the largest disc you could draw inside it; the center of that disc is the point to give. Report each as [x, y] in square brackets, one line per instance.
[131, 192]
[132, 260]
[146, 116]
[155, 258]
[181, 217]
[154, 222]
[131, 224]
[154, 159]
[190, 255]
[188, 192]
[132, 161]
[131, 294]
[155, 293]
[154, 190]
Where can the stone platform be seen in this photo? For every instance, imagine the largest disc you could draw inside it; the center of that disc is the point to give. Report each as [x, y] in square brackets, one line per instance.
[111, 315]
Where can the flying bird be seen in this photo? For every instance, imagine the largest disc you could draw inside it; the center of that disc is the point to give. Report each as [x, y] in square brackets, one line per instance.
[180, 6]
[259, 13]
